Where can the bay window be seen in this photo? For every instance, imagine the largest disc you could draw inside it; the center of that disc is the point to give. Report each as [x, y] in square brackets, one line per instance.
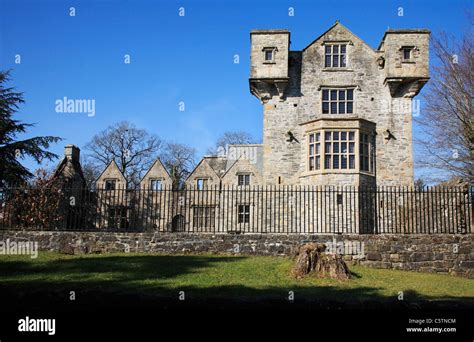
[330, 149]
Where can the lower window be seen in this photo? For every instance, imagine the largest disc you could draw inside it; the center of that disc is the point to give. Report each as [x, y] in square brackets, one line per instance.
[204, 217]
[243, 213]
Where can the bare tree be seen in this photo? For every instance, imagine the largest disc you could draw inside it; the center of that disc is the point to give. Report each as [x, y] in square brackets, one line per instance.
[90, 171]
[231, 138]
[134, 150]
[447, 142]
[180, 160]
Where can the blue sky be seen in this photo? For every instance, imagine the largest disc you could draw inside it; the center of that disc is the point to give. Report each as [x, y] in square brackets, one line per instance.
[173, 58]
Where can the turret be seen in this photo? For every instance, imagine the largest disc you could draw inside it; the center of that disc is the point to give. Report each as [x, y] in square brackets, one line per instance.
[405, 60]
[269, 63]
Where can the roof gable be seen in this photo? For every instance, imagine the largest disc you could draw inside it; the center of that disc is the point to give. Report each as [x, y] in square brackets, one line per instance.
[112, 169]
[338, 32]
[203, 164]
[241, 162]
[157, 166]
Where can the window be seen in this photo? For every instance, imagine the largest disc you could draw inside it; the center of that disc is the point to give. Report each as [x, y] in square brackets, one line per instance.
[335, 56]
[243, 180]
[117, 217]
[336, 150]
[204, 217]
[339, 151]
[406, 53]
[338, 101]
[314, 151]
[366, 162]
[155, 184]
[243, 213]
[110, 184]
[269, 54]
[202, 183]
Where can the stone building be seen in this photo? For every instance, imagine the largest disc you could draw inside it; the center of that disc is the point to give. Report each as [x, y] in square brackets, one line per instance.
[235, 167]
[338, 112]
[69, 170]
[113, 203]
[152, 203]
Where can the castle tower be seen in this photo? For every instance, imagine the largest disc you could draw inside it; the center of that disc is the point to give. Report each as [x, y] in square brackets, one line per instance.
[338, 112]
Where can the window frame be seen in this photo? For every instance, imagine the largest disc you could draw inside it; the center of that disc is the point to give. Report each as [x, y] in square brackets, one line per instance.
[243, 216]
[204, 216]
[205, 183]
[272, 50]
[405, 50]
[245, 176]
[107, 181]
[150, 184]
[358, 132]
[338, 101]
[332, 54]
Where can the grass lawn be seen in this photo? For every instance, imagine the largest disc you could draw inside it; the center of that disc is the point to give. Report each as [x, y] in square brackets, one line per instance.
[217, 276]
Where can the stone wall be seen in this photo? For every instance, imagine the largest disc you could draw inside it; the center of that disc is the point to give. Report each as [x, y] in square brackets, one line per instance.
[453, 254]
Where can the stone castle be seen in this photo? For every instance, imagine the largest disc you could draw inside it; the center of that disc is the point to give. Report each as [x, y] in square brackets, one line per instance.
[336, 113]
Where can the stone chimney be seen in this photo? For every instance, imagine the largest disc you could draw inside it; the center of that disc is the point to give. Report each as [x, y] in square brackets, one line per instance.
[72, 153]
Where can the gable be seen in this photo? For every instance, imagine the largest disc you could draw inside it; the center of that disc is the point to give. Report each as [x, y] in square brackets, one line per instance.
[202, 170]
[156, 171]
[339, 32]
[242, 165]
[112, 171]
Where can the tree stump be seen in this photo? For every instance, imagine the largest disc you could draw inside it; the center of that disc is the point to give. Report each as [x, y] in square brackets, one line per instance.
[312, 259]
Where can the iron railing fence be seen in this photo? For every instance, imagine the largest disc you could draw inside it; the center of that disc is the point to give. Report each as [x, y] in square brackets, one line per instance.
[244, 209]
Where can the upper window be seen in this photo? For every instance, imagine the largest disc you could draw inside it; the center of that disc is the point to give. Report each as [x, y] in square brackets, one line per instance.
[110, 184]
[201, 183]
[269, 54]
[406, 53]
[155, 184]
[243, 180]
[338, 101]
[335, 56]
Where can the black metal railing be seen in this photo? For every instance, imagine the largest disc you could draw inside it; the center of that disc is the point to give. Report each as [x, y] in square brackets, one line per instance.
[248, 209]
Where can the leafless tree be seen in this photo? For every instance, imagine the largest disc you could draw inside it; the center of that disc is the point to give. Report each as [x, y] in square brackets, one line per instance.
[134, 150]
[231, 138]
[180, 160]
[90, 171]
[447, 139]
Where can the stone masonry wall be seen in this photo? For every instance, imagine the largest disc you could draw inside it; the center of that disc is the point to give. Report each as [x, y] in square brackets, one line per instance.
[453, 254]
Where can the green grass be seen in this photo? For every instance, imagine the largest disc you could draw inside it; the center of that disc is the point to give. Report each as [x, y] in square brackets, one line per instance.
[204, 276]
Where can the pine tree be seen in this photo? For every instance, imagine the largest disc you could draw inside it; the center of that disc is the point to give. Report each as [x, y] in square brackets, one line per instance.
[11, 149]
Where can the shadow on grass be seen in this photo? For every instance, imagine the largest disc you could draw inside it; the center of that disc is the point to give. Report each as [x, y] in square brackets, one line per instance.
[147, 281]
